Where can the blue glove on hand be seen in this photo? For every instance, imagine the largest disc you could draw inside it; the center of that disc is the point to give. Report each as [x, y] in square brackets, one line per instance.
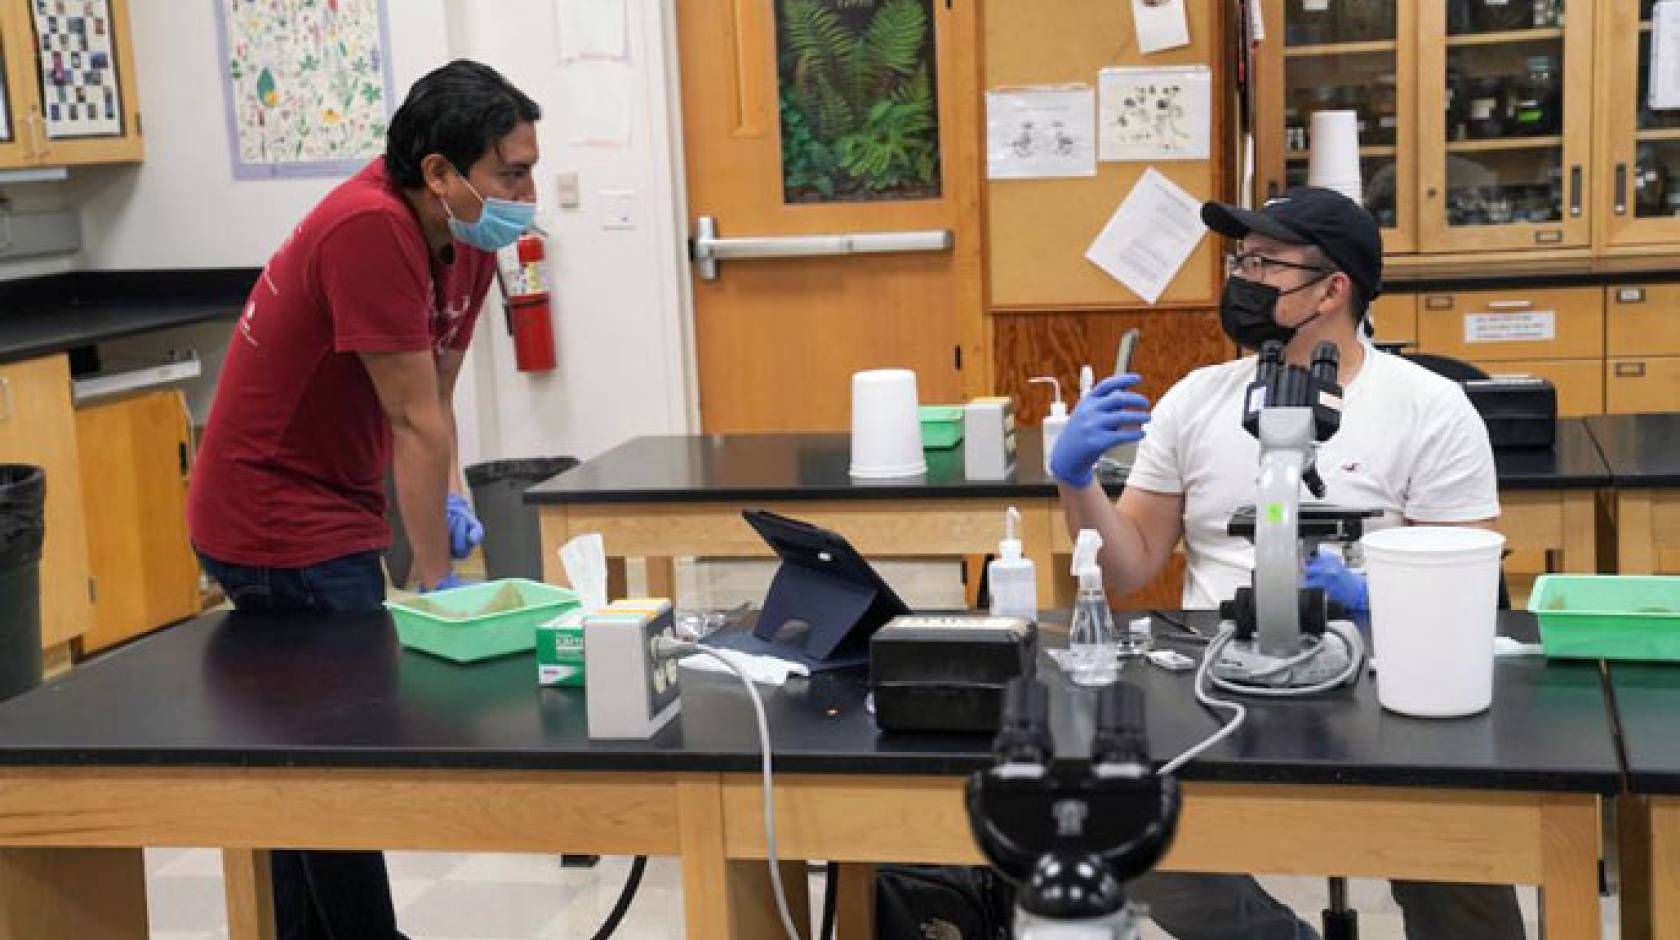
[448, 581]
[465, 531]
[1342, 585]
[1107, 416]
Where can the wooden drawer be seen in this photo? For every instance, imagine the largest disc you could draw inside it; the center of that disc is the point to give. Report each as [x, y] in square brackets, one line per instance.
[1565, 323]
[1395, 316]
[1580, 382]
[1642, 320]
[1635, 386]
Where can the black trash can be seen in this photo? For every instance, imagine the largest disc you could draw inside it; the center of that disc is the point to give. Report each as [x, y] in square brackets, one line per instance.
[512, 538]
[22, 526]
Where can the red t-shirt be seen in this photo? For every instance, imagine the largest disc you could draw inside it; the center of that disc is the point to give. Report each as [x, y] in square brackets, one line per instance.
[291, 471]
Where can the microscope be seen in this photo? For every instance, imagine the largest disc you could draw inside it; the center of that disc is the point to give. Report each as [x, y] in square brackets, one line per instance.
[1285, 638]
[1069, 836]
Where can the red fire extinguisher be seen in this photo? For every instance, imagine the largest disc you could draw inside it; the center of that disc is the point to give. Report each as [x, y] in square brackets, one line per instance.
[529, 315]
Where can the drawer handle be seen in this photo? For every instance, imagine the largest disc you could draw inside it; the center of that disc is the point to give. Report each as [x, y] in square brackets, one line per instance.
[5, 399]
[1630, 295]
[1437, 303]
[1510, 304]
[1575, 191]
[1630, 370]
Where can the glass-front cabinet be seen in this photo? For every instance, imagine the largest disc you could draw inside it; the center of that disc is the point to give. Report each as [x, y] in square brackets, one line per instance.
[1505, 124]
[1341, 55]
[1638, 182]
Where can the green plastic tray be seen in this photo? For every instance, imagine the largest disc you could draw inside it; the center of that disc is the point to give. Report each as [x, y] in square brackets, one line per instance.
[1608, 616]
[482, 637]
[942, 426]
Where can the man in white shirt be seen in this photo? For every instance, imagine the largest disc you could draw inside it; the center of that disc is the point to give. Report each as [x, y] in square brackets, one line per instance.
[1307, 266]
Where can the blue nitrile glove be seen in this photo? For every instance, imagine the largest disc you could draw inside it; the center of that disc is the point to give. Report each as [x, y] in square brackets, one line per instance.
[1105, 417]
[465, 531]
[450, 580]
[1341, 584]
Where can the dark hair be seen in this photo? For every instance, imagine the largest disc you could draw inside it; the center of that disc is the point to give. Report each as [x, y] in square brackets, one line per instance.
[460, 111]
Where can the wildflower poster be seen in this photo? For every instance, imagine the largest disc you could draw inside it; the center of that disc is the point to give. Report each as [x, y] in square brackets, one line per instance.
[308, 85]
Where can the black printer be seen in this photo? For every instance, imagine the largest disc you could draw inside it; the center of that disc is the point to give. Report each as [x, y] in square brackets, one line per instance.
[1519, 410]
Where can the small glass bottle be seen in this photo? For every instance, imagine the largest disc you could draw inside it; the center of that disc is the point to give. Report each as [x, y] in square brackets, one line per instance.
[1091, 639]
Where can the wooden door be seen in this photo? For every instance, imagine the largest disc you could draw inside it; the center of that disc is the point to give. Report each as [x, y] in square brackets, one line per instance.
[142, 559]
[1488, 183]
[37, 426]
[777, 340]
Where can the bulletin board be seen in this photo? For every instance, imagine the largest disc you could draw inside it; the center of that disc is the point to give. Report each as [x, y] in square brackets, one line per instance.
[1039, 230]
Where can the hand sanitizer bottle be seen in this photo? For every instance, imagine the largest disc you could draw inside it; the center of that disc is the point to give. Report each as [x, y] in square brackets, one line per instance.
[1054, 422]
[1013, 582]
[1094, 659]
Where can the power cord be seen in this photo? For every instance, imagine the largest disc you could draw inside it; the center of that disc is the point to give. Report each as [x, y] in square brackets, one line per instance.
[668, 648]
[631, 883]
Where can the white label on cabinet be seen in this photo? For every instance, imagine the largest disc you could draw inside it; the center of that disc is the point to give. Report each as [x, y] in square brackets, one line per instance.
[1315, 6]
[1527, 327]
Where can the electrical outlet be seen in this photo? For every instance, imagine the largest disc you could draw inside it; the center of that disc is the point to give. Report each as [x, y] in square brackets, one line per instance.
[618, 207]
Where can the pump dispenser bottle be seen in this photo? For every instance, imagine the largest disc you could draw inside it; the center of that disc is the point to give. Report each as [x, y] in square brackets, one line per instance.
[1055, 422]
[1013, 582]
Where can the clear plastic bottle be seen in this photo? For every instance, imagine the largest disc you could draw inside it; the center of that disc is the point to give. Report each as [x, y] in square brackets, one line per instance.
[1013, 582]
[1094, 655]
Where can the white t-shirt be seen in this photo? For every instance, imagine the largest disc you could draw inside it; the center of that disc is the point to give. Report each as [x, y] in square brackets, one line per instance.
[1410, 444]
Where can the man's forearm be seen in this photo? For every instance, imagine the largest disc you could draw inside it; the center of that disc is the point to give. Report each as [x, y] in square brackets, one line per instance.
[1125, 562]
[422, 460]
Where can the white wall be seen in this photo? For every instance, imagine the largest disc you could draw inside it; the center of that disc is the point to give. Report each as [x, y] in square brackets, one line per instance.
[618, 293]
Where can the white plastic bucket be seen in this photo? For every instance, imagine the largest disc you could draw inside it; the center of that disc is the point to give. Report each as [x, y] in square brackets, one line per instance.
[1333, 161]
[886, 425]
[1434, 594]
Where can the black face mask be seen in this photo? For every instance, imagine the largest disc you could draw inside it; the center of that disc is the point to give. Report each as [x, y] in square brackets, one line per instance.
[1246, 312]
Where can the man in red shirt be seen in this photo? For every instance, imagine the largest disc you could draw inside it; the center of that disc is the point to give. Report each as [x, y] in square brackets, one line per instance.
[343, 366]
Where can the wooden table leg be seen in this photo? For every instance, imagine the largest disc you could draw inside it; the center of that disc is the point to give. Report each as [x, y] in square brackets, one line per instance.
[1636, 551]
[1580, 532]
[724, 898]
[974, 571]
[1569, 868]
[1633, 865]
[250, 894]
[854, 902]
[618, 581]
[662, 577]
[1665, 867]
[73, 894]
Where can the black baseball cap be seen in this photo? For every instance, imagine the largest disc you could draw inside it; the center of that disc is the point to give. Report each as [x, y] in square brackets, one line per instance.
[1311, 215]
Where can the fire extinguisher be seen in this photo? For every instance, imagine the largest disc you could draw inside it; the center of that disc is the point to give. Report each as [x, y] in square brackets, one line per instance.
[530, 319]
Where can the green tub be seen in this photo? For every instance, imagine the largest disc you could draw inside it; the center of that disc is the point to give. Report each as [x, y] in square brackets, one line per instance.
[449, 623]
[942, 426]
[1608, 616]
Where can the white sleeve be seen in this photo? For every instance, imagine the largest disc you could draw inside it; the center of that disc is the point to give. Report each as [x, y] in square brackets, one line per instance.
[1454, 479]
[1158, 467]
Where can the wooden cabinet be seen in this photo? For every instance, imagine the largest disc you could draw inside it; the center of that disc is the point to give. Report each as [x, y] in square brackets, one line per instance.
[1395, 318]
[1579, 382]
[36, 427]
[30, 138]
[1642, 320]
[1557, 334]
[138, 449]
[1638, 179]
[1642, 385]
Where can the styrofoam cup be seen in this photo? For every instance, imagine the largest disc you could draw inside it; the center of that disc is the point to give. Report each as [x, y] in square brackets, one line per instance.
[1333, 161]
[886, 425]
[1434, 594]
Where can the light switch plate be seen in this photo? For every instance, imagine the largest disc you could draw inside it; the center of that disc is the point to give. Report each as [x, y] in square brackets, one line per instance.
[566, 192]
[618, 208]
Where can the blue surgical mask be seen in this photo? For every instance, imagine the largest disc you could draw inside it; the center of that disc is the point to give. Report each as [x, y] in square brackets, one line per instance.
[499, 225]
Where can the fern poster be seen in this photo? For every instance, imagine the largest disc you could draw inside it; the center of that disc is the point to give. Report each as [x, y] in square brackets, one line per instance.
[859, 102]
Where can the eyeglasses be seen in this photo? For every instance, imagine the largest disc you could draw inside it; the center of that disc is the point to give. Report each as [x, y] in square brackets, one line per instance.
[1254, 266]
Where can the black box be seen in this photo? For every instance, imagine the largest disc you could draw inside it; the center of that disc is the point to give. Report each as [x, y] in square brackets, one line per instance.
[1520, 411]
[947, 672]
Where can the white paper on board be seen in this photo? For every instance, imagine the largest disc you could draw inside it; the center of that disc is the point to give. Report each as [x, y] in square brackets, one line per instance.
[1150, 236]
[1041, 132]
[591, 29]
[1148, 114]
[1161, 24]
[1664, 78]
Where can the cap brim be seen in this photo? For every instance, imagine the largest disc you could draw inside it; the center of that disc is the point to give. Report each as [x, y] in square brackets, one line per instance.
[1233, 222]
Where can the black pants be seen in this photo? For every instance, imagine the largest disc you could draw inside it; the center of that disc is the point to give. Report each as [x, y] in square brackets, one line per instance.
[320, 895]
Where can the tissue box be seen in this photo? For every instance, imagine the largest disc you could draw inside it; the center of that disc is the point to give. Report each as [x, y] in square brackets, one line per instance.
[947, 672]
[560, 650]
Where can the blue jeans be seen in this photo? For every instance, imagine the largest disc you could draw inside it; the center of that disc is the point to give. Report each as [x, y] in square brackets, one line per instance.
[320, 895]
[1193, 906]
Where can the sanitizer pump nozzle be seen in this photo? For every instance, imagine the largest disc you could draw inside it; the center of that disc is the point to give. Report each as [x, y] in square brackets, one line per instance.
[1013, 582]
[1054, 422]
[1094, 651]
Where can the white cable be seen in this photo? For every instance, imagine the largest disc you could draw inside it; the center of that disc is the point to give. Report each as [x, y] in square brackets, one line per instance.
[1239, 712]
[1350, 639]
[676, 648]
